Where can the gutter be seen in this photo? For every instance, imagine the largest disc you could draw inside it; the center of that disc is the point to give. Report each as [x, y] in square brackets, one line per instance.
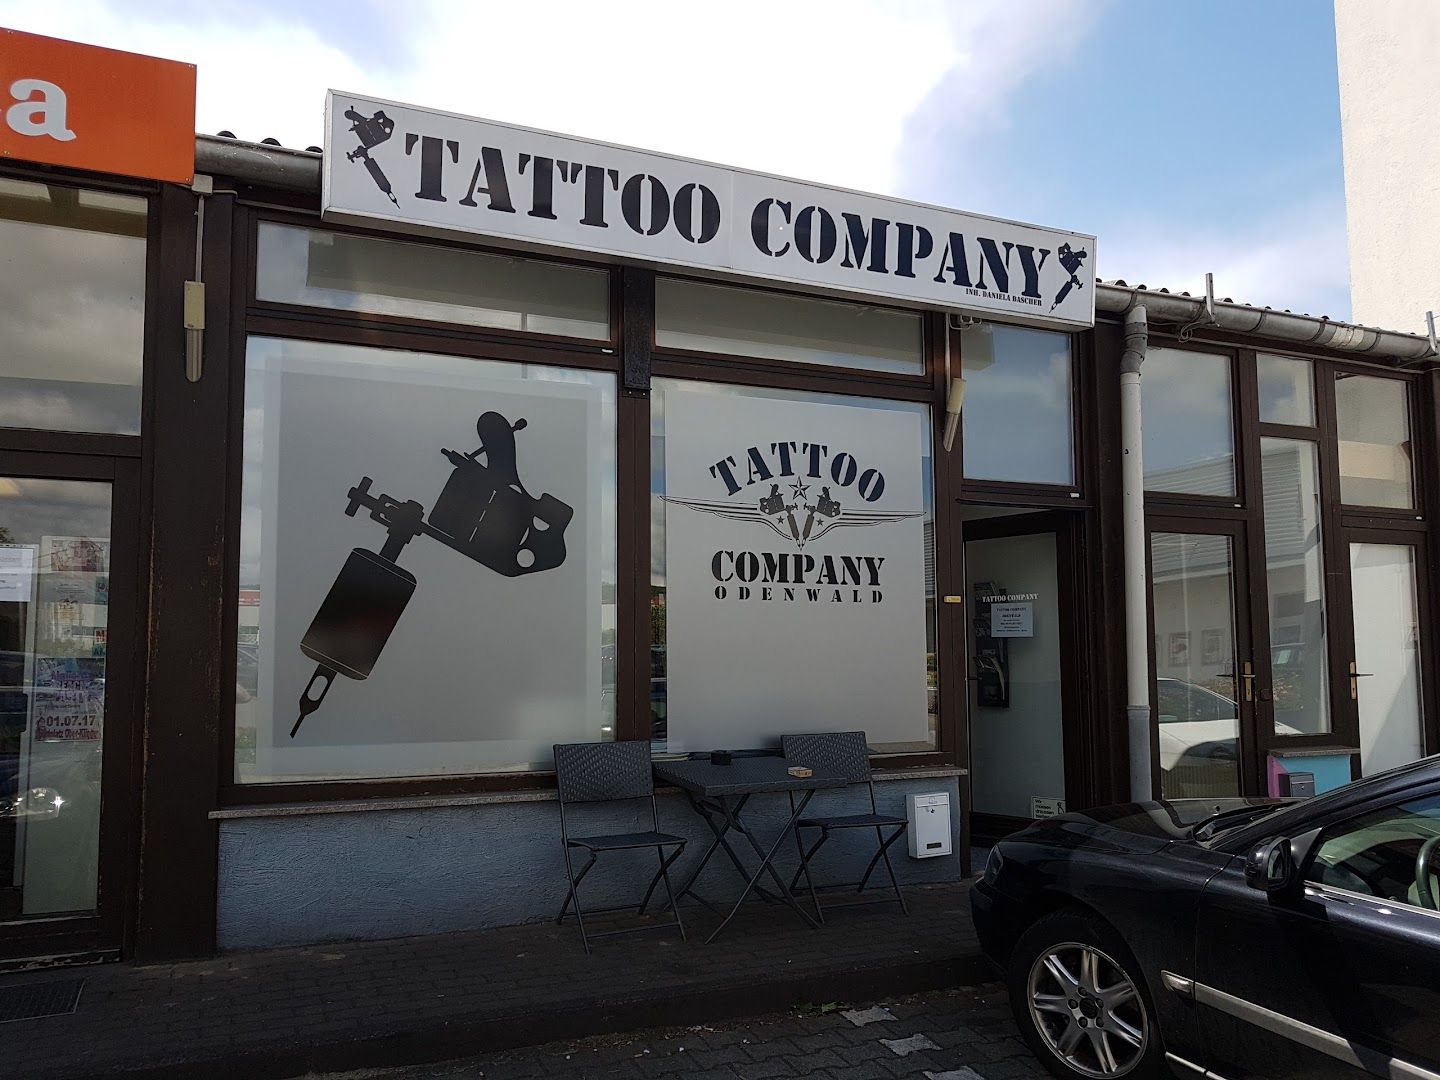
[1279, 326]
[299, 171]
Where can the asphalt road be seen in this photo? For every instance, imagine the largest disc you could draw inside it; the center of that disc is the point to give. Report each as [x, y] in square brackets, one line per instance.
[946, 1035]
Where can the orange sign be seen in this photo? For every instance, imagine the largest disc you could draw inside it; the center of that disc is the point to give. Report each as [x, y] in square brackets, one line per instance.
[63, 103]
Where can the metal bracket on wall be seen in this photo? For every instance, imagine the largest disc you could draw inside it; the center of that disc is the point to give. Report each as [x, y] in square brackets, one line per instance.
[1208, 318]
[194, 307]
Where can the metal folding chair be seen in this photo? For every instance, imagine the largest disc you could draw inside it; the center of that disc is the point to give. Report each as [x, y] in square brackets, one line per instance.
[844, 753]
[611, 772]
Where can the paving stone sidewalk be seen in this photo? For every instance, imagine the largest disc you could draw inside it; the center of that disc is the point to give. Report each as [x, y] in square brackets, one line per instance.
[967, 1034]
[279, 1013]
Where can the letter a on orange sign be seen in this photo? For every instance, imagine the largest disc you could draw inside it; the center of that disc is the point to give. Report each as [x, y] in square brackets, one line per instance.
[83, 107]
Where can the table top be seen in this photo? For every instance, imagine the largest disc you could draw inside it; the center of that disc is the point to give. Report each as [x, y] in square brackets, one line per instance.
[744, 776]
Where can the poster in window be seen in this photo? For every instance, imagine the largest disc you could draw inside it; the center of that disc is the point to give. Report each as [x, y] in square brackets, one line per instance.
[794, 570]
[68, 699]
[17, 573]
[428, 563]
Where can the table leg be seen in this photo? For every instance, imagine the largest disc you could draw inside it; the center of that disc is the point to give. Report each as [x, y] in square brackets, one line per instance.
[718, 828]
[766, 864]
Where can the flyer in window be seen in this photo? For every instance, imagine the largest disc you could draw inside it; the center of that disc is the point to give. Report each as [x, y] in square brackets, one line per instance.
[69, 699]
[17, 573]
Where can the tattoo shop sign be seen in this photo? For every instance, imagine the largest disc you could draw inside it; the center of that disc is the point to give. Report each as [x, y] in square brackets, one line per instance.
[794, 569]
[425, 171]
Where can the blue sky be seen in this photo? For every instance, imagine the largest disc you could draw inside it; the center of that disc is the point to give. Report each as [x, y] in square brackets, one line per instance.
[1187, 136]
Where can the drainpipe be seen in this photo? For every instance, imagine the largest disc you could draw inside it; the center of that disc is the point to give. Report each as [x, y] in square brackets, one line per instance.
[1137, 620]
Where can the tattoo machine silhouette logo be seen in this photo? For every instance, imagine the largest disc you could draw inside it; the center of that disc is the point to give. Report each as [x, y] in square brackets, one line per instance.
[1070, 261]
[372, 133]
[483, 512]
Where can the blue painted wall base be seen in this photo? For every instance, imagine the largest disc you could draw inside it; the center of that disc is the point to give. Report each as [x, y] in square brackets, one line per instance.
[305, 879]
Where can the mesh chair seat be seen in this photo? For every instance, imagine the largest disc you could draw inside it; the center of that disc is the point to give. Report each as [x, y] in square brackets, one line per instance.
[620, 841]
[851, 821]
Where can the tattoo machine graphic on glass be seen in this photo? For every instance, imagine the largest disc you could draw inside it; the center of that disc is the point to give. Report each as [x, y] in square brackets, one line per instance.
[483, 512]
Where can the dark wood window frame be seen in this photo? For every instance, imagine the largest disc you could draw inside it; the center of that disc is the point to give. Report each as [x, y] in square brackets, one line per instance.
[1337, 522]
[1179, 502]
[125, 462]
[1079, 731]
[1021, 493]
[631, 355]
[1243, 634]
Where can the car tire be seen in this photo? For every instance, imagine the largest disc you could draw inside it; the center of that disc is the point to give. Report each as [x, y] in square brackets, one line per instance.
[1102, 1026]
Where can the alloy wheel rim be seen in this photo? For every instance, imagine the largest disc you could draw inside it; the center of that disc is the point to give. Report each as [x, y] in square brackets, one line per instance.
[1087, 1010]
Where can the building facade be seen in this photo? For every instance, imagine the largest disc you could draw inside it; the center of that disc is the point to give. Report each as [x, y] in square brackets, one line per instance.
[1392, 167]
[321, 526]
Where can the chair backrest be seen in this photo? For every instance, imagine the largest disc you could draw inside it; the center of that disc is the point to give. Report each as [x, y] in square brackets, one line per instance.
[603, 771]
[839, 753]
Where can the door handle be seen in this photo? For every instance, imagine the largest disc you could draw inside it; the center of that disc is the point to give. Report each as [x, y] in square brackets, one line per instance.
[1355, 677]
[1248, 687]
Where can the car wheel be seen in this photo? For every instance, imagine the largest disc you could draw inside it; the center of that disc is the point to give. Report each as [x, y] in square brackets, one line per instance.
[1080, 1002]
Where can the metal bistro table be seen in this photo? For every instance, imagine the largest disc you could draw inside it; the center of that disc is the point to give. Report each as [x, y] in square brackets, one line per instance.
[719, 794]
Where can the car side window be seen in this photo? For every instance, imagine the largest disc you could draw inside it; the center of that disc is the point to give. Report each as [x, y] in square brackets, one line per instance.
[1171, 700]
[1392, 854]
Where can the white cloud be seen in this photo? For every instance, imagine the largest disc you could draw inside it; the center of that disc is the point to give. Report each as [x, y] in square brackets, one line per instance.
[811, 88]
[1294, 260]
[997, 48]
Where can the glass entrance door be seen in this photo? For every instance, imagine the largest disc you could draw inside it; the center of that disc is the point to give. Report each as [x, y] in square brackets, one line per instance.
[1385, 675]
[59, 581]
[1203, 684]
[1020, 649]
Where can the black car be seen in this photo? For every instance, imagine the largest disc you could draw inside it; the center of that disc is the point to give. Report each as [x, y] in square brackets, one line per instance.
[1227, 939]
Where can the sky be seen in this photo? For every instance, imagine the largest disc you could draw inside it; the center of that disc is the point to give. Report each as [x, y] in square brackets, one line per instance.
[1187, 137]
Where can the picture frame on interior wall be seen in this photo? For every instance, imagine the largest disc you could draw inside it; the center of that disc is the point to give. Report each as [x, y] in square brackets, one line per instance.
[1211, 646]
[1179, 648]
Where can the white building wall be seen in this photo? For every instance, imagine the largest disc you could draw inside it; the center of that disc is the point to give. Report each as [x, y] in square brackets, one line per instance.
[1390, 120]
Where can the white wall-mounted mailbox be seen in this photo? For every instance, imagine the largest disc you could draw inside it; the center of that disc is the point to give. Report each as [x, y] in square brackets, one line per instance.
[929, 818]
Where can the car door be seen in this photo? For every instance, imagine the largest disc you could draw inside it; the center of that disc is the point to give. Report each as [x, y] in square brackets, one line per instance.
[1340, 976]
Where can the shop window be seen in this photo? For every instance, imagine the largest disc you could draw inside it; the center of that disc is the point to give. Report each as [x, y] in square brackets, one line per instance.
[778, 326]
[1017, 423]
[1287, 390]
[72, 308]
[792, 568]
[1188, 436]
[427, 563]
[1373, 416]
[54, 633]
[321, 268]
[1295, 573]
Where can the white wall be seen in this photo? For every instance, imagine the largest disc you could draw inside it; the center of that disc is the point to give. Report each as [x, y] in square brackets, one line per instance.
[1389, 107]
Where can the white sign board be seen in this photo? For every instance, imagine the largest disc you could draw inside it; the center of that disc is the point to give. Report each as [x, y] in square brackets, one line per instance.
[1012, 620]
[1042, 807]
[425, 171]
[794, 570]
